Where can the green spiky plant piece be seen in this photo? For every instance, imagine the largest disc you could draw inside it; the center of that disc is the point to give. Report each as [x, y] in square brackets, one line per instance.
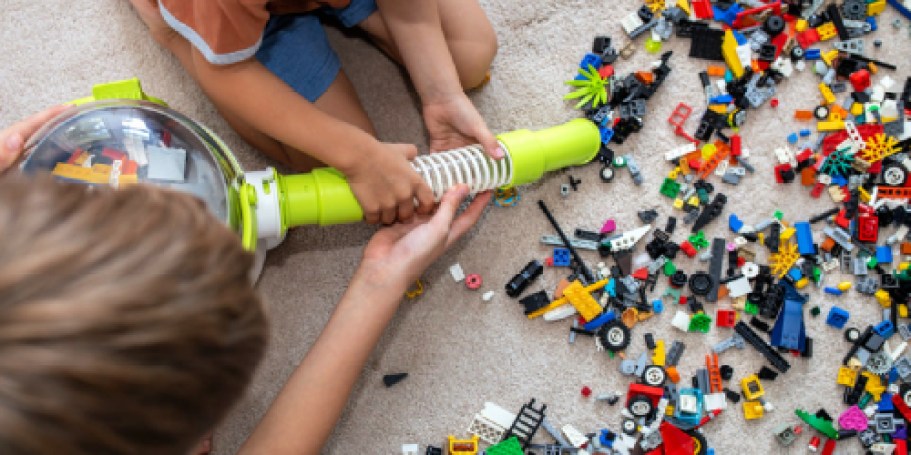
[592, 88]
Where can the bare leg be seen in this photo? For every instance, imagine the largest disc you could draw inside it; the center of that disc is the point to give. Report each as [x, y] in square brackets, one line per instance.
[339, 101]
[469, 35]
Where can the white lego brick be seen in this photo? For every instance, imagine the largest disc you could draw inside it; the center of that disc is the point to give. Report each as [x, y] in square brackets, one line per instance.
[560, 312]
[715, 401]
[488, 296]
[168, 164]
[688, 404]
[631, 22]
[457, 273]
[739, 287]
[491, 423]
[678, 152]
[410, 449]
[681, 321]
[574, 436]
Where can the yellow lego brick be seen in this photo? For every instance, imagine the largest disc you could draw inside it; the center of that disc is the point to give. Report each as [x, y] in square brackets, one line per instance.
[801, 25]
[674, 173]
[829, 56]
[752, 388]
[857, 109]
[729, 52]
[847, 377]
[787, 234]
[463, 446]
[684, 5]
[79, 173]
[902, 266]
[802, 283]
[876, 7]
[719, 108]
[864, 194]
[678, 203]
[875, 385]
[902, 311]
[761, 236]
[882, 296]
[581, 299]
[826, 31]
[752, 410]
[658, 354]
[830, 126]
[826, 93]
[694, 201]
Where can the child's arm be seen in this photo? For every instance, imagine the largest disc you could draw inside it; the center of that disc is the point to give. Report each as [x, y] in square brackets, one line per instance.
[380, 176]
[306, 410]
[451, 118]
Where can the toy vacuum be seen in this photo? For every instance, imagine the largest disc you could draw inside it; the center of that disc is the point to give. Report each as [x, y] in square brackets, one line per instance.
[121, 136]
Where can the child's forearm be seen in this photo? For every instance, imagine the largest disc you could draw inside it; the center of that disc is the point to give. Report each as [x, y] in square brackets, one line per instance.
[304, 413]
[416, 29]
[249, 91]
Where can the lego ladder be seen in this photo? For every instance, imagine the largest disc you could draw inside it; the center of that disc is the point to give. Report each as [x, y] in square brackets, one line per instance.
[711, 364]
[886, 192]
[527, 422]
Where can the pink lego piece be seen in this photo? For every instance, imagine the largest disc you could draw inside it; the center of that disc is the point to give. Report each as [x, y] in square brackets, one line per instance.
[609, 226]
[853, 418]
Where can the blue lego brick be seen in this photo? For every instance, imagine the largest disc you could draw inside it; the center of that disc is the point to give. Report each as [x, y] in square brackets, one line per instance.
[611, 288]
[606, 438]
[873, 25]
[606, 134]
[805, 132]
[884, 329]
[792, 138]
[590, 59]
[726, 15]
[741, 40]
[594, 324]
[721, 99]
[734, 223]
[885, 403]
[837, 317]
[812, 54]
[839, 180]
[900, 7]
[884, 254]
[832, 291]
[789, 331]
[657, 306]
[795, 273]
[804, 238]
[561, 257]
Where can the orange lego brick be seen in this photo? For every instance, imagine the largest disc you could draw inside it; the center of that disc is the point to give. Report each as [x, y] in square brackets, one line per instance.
[906, 248]
[803, 115]
[716, 70]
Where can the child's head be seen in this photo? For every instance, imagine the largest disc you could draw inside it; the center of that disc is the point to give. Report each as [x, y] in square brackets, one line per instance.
[128, 322]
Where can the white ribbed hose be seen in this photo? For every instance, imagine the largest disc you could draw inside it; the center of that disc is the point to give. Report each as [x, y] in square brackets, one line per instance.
[468, 165]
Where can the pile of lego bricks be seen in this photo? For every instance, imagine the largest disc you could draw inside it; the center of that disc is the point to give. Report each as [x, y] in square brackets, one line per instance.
[859, 158]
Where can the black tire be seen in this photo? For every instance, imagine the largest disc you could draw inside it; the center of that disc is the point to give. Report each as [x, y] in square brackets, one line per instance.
[654, 375]
[894, 174]
[640, 406]
[700, 445]
[614, 336]
[852, 335]
[607, 173]
[628, 426]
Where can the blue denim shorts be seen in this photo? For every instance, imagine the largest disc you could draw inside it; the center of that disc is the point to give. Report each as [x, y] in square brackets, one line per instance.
[295, 47]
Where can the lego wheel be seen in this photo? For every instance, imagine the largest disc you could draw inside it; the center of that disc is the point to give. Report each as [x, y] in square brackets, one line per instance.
[629, 427]
[700, 445]
[654, 376]
[852, 335]
[607, 173]
[614, 336]
[640, 406]
[894, 174]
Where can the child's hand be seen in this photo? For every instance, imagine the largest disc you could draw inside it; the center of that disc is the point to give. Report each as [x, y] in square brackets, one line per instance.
[13, 139]
[453, 121]
[398, 254]
[386, 185]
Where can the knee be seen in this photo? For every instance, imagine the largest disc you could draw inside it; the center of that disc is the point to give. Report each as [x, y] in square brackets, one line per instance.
[473, 58]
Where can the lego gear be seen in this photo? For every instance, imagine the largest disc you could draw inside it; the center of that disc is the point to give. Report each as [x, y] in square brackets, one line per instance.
[614, 336]
[701, 283]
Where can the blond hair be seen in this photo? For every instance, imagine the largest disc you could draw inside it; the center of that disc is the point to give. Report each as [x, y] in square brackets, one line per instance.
[128, 322]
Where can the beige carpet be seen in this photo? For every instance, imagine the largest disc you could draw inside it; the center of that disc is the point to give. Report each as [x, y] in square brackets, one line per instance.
[459, 351]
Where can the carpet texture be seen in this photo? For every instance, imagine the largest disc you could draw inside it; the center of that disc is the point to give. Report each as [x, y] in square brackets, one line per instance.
[459, 351]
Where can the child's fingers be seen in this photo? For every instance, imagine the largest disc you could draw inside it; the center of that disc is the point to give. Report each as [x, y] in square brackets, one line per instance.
[14, 138]
[425, 199]
[442, 219]
[469, 217]
[488, 141]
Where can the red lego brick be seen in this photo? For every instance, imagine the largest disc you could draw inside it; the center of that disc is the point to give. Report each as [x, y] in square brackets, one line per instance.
[725, 318]
[807, 37]
[702, 9]
[736, 145]
[688, 248]
[860, 80]
[817, 190]
[842, 220]
[867, 228]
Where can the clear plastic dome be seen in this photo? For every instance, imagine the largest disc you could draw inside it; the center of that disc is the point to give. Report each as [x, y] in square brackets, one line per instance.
[125, 142]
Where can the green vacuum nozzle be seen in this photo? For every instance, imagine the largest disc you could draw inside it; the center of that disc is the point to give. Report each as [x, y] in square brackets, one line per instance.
[323, 196]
